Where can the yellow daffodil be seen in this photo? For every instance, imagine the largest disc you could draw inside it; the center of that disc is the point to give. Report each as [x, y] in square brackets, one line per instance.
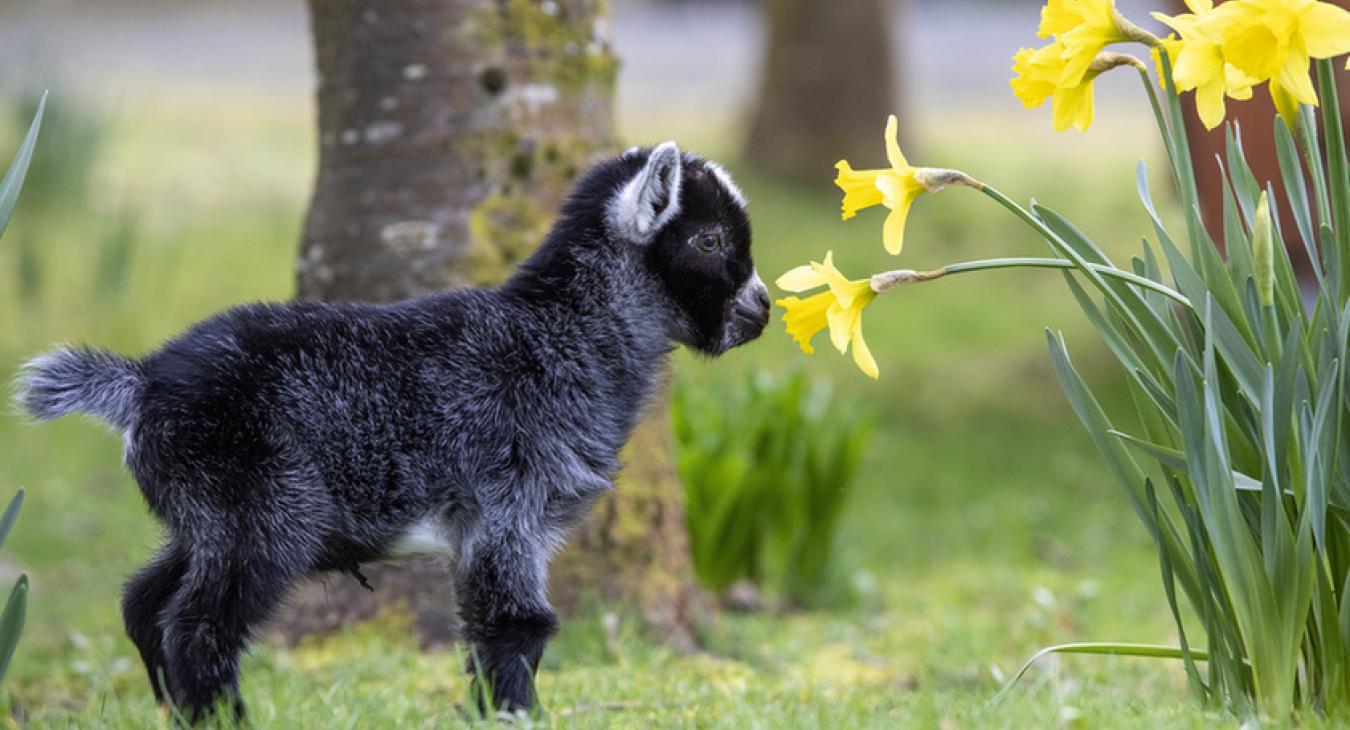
[839, 308]
[1065, 68]
[1037, 77]
[896, 188]
[1082, 28]
[1240, 43]
[1038, 74]
[1276, 40]
[1199, 62]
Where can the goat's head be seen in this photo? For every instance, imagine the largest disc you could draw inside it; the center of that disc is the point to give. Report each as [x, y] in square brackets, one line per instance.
[689, 218]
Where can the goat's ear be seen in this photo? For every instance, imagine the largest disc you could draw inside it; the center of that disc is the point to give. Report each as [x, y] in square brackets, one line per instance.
[645, 204]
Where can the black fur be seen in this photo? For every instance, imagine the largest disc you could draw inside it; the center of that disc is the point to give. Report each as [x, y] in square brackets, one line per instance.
[279, 440]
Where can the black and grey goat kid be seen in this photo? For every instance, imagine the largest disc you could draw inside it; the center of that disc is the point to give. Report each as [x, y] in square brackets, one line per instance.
[275, 441]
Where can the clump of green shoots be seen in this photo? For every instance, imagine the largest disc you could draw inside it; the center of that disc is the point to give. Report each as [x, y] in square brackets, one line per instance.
[766, 471]
[1239, 466]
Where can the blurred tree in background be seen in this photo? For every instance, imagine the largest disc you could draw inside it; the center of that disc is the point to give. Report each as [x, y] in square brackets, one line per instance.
[449, 132]
[827, 84]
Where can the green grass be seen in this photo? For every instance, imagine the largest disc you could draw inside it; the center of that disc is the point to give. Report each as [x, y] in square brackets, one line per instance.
[983, 525]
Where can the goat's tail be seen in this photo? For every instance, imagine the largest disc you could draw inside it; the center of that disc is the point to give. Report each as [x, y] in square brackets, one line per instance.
[84, 380]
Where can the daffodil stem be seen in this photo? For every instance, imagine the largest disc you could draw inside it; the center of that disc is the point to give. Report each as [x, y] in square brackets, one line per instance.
[1183, 166]
[1169, 143]
[1048, 263]
[1089, 270]
[1338, 172]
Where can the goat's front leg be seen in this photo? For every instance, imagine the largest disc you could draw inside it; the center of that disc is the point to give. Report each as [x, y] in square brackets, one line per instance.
[502, 592]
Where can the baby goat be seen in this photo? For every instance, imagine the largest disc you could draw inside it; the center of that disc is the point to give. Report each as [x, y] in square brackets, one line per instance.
[275, 441]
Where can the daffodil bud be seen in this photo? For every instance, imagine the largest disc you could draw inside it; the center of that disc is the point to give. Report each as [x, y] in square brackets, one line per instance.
[1263, 253]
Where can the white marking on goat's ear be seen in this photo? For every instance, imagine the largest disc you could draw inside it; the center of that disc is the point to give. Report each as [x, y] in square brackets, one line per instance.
[645, 204]
[728, 184]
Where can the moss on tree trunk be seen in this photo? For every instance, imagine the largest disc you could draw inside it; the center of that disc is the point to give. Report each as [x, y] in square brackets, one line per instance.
[449, 132]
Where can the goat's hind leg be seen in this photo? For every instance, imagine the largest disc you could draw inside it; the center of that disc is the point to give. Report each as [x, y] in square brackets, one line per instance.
[144, 599]
[231, 586]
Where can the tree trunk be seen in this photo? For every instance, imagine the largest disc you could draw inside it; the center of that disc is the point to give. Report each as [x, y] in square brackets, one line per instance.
[449, 132]
[825, 89]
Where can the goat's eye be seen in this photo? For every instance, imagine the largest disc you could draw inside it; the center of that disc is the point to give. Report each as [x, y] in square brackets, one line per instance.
[708, 242]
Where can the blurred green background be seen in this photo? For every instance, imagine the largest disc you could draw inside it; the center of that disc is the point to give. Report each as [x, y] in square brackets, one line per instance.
[170, 182]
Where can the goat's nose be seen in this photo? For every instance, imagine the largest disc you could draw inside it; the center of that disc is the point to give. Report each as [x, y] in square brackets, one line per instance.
[759, 300]
[762, 297]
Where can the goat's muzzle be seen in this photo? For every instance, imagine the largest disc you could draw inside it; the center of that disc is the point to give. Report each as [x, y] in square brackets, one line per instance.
[749, 313]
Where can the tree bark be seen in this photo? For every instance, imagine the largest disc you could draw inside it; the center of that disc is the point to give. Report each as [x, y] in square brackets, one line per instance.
[825, 89]
[449, 132]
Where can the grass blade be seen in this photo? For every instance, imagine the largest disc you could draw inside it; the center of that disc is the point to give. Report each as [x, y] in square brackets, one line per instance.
[1152, 651]
[11, 514]
[13, 180]
[11, 623]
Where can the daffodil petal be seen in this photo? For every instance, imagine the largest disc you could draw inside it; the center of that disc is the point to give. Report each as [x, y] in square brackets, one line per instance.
[1285, 104]
[841, 325]
[897, 190]
[1209, 102]
[1294, 78]
[893, 153]
[1163, 18]
[893, 231]
[1196, 64]
[838, 283]
[1058, 16]
[862, 356]
[802, 278]
[1073, 107]
[1326, 30]
[1200, 6]
[1076, 66]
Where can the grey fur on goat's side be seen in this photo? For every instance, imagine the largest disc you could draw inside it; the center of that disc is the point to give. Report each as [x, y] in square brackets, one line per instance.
[275, 441]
